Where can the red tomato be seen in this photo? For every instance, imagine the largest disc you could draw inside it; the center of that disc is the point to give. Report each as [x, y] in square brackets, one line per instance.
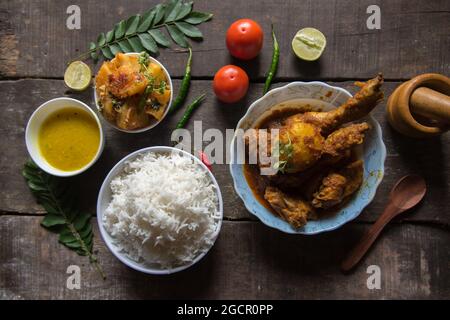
[204, 158]
[244, 39]
[230, 83]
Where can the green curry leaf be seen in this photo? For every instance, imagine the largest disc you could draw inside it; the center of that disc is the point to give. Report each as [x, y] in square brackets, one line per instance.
[145, 32]
[58, 199]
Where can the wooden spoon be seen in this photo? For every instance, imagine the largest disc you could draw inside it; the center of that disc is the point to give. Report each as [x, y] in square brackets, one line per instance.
[407, 192]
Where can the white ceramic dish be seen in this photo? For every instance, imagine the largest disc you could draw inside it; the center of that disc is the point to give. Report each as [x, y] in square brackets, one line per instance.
[373, 154]
[104, 198]
[34, 125]
[154, 123]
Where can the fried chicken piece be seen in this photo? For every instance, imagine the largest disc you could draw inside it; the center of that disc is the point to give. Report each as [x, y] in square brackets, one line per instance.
[354, 173]
[337, 186]
[295, 211]
[353, 109]
[313, 184]
[345, 138]
[331, 191]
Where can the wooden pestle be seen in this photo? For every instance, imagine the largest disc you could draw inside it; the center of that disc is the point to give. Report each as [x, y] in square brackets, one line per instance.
[430, 104]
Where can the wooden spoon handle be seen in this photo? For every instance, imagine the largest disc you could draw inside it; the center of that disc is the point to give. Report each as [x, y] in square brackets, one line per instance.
[369, 237]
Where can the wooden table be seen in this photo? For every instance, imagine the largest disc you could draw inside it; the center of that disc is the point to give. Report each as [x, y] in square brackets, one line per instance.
[249, 260]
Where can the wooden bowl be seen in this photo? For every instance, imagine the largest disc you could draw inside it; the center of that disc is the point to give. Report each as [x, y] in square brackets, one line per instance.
[399, 110]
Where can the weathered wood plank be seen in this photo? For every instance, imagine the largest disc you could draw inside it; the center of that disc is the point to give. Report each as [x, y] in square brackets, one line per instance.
[414, 36]
[248, 261]
[429, 158]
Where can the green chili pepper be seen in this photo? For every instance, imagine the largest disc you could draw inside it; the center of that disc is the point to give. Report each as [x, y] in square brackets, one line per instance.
[190, 108]
[274, 64]
[185, 83]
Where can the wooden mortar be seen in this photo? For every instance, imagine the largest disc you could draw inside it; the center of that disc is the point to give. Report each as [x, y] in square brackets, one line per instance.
[420, 107]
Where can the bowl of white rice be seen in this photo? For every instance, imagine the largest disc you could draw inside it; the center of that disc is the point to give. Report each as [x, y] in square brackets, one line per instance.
[159, 210]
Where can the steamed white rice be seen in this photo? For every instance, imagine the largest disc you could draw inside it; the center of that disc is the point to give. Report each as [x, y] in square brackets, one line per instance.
[164, 210]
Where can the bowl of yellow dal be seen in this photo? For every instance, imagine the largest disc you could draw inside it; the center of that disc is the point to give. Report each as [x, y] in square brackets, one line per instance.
[64, 137]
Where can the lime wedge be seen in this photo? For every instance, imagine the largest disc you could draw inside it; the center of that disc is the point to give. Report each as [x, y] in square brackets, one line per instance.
[308, 44]
[78, 76]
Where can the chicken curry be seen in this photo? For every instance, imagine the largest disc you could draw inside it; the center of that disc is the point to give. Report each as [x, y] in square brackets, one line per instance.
[316, 167]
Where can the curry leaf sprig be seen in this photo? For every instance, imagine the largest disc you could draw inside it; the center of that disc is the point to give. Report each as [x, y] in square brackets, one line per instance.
[143, 32]
[57, 198]
[283, 151]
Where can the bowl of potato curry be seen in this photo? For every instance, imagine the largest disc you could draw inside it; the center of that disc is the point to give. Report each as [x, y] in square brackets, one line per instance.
[133, 92]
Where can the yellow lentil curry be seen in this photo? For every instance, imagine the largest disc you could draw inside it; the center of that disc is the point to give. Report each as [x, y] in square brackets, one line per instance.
[69, 139]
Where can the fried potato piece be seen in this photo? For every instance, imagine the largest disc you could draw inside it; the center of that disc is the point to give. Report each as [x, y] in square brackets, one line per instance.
[106, 104]
[295, 211]
[162, 99]
[121, 76]
[130, 118]
[156, 113]
[157, 72]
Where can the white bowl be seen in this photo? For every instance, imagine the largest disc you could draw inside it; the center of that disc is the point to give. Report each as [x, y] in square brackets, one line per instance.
[153, 124]
[35, 122]
[104, 198]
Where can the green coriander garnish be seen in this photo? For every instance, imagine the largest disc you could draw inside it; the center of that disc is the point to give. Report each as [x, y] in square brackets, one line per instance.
[162, 87]
[283, 151]
[144, 60]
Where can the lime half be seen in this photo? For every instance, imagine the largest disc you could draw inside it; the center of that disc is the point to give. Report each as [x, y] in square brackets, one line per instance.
[78, 76]
[308, 44]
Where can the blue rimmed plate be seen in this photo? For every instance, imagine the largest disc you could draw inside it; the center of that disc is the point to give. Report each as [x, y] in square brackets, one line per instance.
[373, 153]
